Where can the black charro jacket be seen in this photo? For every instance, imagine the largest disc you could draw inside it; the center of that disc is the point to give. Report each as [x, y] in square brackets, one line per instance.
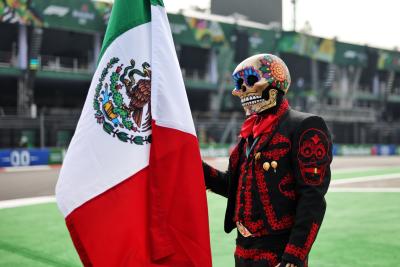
[293, 198]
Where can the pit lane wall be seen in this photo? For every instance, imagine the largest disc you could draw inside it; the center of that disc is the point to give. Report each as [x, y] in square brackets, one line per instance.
[53, 156]
[31, 157]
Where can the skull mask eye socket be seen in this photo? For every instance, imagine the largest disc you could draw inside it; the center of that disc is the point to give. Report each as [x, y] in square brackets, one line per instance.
[248, 75]
[238, 83]
[251, 80]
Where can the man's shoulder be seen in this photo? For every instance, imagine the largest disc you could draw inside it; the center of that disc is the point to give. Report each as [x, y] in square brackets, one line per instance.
[299, 116]
[297, 121]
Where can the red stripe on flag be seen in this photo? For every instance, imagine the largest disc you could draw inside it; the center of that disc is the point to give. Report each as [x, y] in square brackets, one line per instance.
[111, 229]
[160, 211]
[179, 217]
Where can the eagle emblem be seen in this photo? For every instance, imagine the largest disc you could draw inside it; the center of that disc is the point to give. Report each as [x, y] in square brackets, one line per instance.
[122, 101]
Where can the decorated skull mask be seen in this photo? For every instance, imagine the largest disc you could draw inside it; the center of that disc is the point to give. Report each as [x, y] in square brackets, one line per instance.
[256, 74]
[314, 156]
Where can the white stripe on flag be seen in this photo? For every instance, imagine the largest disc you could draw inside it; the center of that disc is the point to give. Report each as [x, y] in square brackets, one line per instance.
[95, 160]
[170, 107]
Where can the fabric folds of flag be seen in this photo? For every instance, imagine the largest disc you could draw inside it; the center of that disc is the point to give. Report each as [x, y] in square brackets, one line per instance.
[131, 187]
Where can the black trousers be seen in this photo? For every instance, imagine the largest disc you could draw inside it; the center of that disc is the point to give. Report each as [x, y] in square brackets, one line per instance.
[265, 251]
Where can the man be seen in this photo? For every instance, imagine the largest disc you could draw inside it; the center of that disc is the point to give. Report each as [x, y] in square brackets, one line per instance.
[278, 172]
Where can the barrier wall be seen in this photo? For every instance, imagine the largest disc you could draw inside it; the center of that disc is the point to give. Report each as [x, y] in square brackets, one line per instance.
[49, 156]
[31, 157]
[338, 150]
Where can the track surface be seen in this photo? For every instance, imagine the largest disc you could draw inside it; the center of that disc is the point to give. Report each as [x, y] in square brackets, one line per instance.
[39, 182]
[24, 184]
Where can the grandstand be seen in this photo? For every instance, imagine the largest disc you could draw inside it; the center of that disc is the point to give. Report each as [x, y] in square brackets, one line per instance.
[48, 53]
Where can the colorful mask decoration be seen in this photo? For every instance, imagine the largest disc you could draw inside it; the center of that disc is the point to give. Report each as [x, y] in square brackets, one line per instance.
[256, 74]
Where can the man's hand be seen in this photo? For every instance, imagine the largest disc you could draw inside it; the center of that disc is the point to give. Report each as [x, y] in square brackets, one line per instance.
[287, 265]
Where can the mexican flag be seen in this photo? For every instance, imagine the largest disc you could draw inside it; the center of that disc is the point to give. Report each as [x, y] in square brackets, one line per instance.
[131, 187]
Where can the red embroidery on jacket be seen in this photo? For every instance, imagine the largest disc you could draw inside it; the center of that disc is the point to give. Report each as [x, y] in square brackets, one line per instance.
[248, 200]
[252, 226]
[313, 155]
[279, 147]
[239, 205]
[213, 173]
[286, 186]
[276, 224]
[276, 154]
[257, 254]
[279, 138]
[302, 252]
[244, 200]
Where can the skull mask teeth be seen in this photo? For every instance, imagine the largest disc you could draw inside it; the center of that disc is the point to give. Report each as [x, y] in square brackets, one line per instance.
[256, 74]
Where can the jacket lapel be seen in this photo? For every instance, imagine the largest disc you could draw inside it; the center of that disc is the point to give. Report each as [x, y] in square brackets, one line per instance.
[265, 139]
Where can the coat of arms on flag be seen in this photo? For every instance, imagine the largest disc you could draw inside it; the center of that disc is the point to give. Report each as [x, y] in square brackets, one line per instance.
[122, 101]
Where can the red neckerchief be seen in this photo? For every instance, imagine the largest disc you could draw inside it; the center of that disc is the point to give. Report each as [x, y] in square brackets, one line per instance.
[258, 124]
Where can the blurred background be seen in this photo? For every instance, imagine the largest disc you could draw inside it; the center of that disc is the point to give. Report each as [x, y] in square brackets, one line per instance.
[48, 53]
[344, 60]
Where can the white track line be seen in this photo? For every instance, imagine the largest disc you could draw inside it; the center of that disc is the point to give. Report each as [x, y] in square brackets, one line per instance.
[365, 189]
[358, 169]
[13, 203]
[26, 168]
[366, 178]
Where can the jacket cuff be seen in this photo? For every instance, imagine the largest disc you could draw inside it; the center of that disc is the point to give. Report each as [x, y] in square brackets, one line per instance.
[289, 258]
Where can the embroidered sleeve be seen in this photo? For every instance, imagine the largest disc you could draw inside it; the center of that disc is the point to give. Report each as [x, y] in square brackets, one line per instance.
[217, 181]
[311, 157]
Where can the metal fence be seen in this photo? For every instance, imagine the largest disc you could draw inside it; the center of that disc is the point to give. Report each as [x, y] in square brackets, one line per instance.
[66, 64]
[55, 128]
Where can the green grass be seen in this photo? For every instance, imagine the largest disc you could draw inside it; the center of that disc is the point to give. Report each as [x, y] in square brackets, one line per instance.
[345, 174]
[35, 236]
[360, 229]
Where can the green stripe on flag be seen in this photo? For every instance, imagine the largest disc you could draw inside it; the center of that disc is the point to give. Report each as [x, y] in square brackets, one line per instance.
[125, 15]
[157, 2]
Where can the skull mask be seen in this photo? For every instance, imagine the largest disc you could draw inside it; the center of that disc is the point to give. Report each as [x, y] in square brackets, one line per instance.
[255, 75]
[314, 156]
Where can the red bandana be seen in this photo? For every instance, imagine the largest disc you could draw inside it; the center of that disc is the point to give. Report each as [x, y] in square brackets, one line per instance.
[258, 124]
